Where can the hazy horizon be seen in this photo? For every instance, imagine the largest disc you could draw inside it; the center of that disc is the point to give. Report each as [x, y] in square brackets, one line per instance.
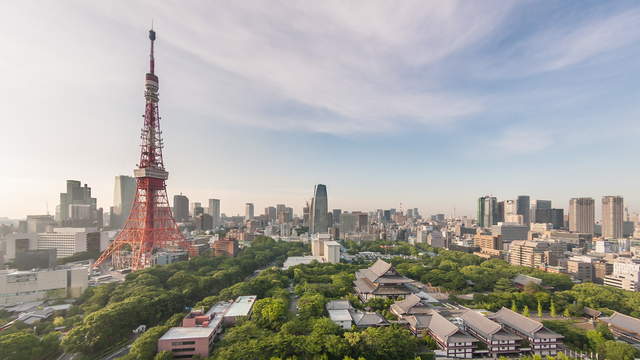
[428, 104]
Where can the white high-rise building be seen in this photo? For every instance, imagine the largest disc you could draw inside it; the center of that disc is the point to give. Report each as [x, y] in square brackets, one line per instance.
[331, 252]
[612, 217]
[124, 193]
[248, 211]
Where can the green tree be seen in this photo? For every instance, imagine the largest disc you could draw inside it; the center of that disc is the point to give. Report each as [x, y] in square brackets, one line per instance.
[503, 284]
[23, 345]
[388, 343]
[311, 305]
[539, 309]
[514, 307]
[270, 312]
[566, 313]
[619, 350]
[144, 348]
[525, 311]
[552, 309]
[164, 355]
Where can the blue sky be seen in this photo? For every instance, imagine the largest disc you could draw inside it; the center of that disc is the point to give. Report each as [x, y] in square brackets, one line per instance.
[431, 104]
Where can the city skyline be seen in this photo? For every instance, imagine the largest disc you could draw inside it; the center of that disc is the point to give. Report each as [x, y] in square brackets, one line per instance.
[536, 101]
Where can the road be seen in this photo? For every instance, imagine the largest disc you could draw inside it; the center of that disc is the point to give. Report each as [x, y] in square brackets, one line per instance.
[121, 352]
[293, 302]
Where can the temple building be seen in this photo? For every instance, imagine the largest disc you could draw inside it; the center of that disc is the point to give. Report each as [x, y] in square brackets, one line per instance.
[542, 341]
[498, 341]
[381, 280]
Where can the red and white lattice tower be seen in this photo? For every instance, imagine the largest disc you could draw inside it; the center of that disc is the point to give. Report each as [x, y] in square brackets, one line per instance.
[150, 225]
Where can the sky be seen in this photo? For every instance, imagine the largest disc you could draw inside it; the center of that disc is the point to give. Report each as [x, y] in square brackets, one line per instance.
[426, 104]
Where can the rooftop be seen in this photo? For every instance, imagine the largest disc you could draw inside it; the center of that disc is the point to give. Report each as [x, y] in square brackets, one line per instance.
[176, 333]
[339, 315]
[242, 306]
[300, 260]
[522, 279]
[339, 305]
[625, 322]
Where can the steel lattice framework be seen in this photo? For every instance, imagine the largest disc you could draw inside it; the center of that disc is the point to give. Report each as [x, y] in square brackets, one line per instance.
[150, 225]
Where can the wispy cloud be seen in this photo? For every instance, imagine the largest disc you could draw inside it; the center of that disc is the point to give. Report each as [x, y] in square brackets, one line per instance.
[565, 44]
[518, 141]
[343, 63]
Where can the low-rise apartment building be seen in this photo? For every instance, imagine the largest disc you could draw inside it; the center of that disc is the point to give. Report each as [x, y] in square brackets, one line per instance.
[24, 286]
[625, 275]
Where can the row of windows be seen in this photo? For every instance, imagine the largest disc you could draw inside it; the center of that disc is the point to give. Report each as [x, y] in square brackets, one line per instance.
[183, 343]
[183, 349]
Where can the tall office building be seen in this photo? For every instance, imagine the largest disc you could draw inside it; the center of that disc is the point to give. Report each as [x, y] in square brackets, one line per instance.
[123, 194]
[214, 211]
[181, 207]
[39, 223]
[319, 209]
[487, 211]
[612, 217]
[500, 213]
[523, 205]
[336, 213]
[248, 211]
[280, 212]
[271, 214]
[306, 214]
[557, 218]
[77, 207]
[582, 215]
[196, 208]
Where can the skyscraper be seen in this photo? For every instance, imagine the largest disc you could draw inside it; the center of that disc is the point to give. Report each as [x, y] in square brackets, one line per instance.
[319, 210]
[557, 218]
[196, 208]
[612, 217]
[280, 212]
[523, 204]
[123, 194]
[77, 207]
[582, 215]
[336, 216]
[181, 207]
[500, 212]
[271, 214]
[540, 211]
[487, 211]
[214, 211]
[248, 211]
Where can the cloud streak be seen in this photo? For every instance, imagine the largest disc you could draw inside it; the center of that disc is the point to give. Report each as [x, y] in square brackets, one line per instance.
[346, 63]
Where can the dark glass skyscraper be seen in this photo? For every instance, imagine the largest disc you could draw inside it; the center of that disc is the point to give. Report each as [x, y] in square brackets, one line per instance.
[319, 210]
[523, 206]
[487, 211]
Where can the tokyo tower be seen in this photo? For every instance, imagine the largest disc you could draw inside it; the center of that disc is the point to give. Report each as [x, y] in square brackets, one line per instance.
[150, 225]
